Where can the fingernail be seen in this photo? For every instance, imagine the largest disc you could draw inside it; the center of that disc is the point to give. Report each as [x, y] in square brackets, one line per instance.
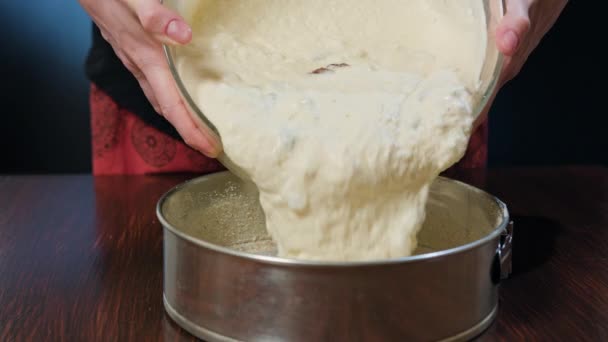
[214, 148]
[179, 31]
[510, 41]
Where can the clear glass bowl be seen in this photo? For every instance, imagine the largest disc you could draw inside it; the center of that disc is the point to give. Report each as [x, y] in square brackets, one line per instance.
[488, 79]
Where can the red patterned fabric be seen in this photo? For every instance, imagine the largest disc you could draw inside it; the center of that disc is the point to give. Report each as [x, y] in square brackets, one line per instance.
[124, 144]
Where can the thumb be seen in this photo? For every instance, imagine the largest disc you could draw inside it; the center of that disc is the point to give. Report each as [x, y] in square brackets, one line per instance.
[166, 25]
[514, 26]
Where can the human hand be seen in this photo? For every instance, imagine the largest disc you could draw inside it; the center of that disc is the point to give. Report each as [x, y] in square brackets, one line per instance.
[525, 24]
[136, 29]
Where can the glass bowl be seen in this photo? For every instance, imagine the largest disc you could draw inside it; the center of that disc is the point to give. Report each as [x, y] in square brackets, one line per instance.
[489, 75]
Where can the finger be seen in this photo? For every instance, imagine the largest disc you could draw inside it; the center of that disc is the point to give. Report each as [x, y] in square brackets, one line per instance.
[166, 25]
[139, 76]
[105, 35]
[174, 110]
[513, 28]
[147, 88]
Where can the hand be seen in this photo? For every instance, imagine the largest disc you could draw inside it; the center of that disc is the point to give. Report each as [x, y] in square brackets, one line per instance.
[136, 29]
[525, 24]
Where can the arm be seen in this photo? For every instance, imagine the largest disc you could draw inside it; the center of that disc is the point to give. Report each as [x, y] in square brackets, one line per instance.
[136, 29]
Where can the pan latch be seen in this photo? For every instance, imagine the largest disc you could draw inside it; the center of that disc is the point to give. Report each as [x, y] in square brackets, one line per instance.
[502, 266]
[505, 251]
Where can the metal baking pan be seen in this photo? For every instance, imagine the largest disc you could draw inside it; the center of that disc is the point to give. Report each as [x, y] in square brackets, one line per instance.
[222, 281]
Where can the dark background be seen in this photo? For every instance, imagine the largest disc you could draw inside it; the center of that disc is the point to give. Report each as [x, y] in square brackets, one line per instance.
[552, 114]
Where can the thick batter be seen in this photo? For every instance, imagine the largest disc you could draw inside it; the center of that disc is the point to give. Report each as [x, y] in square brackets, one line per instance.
[341, 112]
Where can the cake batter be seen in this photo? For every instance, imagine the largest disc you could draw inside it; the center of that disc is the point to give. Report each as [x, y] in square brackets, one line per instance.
[341, 113]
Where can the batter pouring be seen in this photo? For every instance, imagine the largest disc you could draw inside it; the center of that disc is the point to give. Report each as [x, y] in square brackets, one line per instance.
[342, 113]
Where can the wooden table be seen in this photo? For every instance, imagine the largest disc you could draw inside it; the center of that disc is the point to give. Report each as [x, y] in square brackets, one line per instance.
[81, 257]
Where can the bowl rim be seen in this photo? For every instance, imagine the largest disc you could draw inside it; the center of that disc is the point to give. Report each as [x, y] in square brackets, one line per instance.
[499, 63]
[290, 262]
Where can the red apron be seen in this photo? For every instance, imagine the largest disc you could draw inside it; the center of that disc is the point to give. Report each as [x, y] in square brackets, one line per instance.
[124, 144]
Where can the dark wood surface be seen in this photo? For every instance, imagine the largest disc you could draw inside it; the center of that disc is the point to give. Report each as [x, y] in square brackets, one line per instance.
[81, 257]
